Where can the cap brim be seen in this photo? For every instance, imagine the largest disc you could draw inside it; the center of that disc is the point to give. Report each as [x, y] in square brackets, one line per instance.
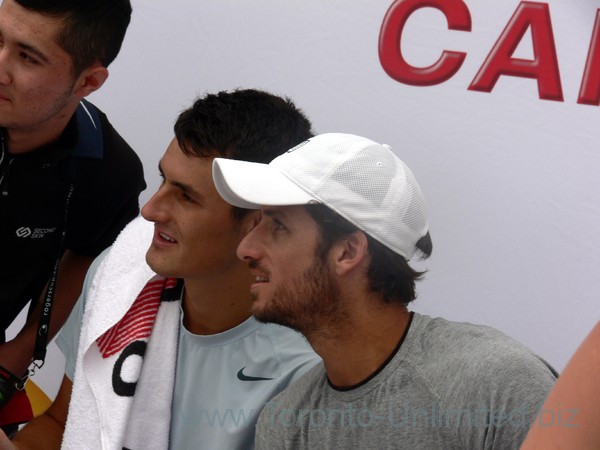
[252, 185]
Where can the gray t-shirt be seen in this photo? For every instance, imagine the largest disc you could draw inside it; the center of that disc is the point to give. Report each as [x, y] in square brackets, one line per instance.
[449, 386]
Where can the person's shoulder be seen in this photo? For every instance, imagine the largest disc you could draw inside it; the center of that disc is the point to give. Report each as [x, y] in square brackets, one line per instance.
[116, 160]
[464, 338]
[478, 350]
[303, 391]
[91, 275]
[282, 336]
[107, 127]
[444, 328]
[116, 148]
[289, 347]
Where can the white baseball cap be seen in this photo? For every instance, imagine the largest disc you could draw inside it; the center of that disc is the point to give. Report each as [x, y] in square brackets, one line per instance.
[361, 180]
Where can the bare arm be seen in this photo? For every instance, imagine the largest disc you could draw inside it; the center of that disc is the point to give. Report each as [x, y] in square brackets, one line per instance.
[576, 397]
[45, 431]
[16, 354]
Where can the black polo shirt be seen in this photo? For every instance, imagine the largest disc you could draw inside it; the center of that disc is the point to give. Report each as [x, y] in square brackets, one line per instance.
[107, 177]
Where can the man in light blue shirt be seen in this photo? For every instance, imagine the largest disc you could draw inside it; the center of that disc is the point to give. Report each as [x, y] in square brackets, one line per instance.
[161, 349]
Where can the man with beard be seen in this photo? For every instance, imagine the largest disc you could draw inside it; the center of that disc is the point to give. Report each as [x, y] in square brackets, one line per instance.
[161, 349]
[340, 217]
[68, 181]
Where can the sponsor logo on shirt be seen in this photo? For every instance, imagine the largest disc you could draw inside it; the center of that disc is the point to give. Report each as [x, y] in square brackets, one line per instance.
[243, 377]
[34, 233]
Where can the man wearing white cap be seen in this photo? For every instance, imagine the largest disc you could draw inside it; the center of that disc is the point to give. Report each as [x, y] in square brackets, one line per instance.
[341, 216]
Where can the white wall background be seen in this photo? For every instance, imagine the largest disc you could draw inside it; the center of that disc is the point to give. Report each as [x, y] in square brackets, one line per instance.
[511, 181]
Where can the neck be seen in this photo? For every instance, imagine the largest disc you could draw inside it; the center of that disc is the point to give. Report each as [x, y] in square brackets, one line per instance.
[214, 306]
[360, 347]
[25, 140]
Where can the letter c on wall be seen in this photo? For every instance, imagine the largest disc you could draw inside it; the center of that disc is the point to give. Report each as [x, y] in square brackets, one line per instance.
[390, 53]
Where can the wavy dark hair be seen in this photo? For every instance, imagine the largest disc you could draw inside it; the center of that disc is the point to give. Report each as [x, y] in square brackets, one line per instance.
[389, 273]
[93, 29]
[243, 124]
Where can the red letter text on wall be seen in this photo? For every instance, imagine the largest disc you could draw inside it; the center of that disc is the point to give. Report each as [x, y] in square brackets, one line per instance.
[544, 66]
[589, 93]
[390, 54]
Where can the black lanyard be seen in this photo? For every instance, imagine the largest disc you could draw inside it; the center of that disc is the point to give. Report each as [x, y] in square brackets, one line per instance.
[90, 145]
[41, 339]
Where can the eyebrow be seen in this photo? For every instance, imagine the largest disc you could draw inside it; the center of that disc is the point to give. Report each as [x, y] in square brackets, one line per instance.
[184, 187]
[273, 213]
[31, 49]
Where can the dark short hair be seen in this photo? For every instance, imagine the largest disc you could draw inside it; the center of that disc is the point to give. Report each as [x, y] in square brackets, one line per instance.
[389, 273]
[243, 124]
[93, 29]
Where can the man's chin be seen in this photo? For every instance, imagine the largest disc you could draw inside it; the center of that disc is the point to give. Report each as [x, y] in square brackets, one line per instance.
[159, 267]
[264, 315]
[260, 313]
[150, 260]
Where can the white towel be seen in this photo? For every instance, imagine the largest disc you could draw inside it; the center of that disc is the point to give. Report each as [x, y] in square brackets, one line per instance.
[118, 357]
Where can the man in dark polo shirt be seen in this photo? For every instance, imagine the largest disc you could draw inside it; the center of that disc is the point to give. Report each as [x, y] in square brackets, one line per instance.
[68, 181]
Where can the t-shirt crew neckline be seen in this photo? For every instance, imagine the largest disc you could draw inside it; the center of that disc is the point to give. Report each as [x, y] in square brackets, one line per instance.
[381, 368]
[236, 333]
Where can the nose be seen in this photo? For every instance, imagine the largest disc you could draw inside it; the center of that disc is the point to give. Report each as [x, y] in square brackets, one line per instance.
[5, 73]
[249, 248]
[154, 210]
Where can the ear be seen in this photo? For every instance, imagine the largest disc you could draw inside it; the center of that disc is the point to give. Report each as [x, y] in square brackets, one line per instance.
[90, 80]
[350, 252]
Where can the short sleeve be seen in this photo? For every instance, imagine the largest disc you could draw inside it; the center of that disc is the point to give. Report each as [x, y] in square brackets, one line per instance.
[68, 338]
[505, 399]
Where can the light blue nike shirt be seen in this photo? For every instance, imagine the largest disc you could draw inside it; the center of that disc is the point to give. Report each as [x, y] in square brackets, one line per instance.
[222, 381]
